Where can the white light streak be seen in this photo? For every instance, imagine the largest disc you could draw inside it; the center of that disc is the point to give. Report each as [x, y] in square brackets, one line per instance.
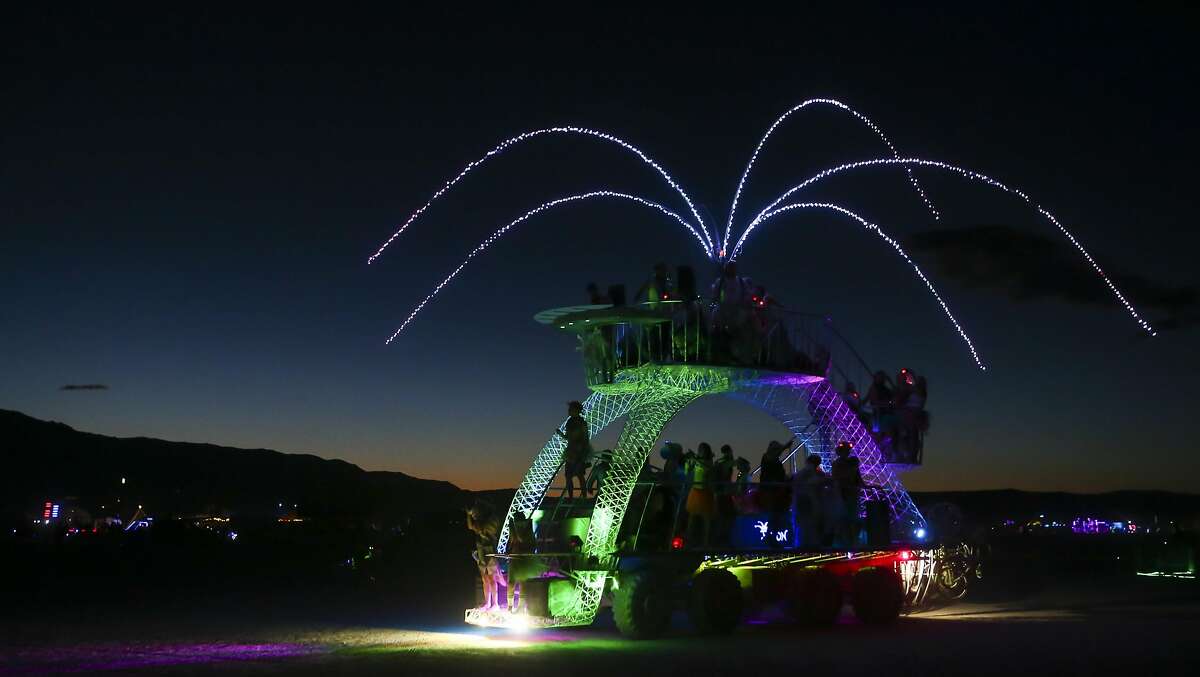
[508, 143]
[537, 210]
[967, 173]
[771, 130]
[899, 250]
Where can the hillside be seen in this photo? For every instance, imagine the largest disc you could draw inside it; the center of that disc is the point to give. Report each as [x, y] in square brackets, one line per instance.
[42, 460]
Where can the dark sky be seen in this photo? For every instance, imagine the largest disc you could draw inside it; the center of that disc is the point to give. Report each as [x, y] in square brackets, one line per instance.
[187, 202]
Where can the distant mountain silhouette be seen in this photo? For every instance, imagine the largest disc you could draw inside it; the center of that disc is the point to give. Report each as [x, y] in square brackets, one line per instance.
[43, 460]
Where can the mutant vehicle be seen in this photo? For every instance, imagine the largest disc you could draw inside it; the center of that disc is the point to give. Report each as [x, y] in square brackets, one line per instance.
[626, 544]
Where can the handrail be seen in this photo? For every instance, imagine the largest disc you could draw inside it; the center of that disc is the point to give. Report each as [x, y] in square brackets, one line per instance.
[698, 332]
[705, 331]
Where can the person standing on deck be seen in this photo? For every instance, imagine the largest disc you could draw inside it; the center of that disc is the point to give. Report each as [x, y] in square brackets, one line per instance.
[848, 482]
[579, 447]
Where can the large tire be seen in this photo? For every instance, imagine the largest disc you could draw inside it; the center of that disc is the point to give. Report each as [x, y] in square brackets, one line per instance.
[878, 595]
[641, 605]
[816, 598]
[715, 602]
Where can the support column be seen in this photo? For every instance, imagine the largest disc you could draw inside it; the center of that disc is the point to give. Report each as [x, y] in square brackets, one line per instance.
[599, 410]
[648, 415]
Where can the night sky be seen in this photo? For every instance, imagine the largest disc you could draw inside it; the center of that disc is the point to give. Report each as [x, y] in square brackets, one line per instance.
[187, 203]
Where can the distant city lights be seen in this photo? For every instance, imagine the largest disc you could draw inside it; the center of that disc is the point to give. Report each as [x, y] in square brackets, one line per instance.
[1089, 525]
[1078, 525]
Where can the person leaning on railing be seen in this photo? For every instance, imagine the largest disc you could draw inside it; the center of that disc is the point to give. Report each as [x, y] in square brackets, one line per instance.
[881, 399]
[913, 421]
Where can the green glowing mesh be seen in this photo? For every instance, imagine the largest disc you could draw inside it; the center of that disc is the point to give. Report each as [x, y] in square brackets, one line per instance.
[650, 396]
[599, 410]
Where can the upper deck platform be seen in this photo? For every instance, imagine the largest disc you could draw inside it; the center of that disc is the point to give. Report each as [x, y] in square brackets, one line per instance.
[742, 344]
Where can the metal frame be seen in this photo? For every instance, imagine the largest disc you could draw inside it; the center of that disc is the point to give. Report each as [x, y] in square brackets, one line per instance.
[650, 396]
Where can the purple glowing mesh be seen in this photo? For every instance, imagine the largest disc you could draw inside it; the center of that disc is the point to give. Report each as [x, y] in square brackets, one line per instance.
[818, 416]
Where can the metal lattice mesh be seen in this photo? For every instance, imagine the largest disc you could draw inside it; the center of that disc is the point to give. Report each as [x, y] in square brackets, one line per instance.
[599, 410]
[649, 414]
[651, 396]
[820, 418]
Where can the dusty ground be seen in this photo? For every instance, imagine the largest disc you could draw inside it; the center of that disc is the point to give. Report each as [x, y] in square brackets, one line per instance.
[1111, 625]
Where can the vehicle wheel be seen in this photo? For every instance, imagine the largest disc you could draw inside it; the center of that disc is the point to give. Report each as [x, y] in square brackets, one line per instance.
[878, 595]
[641, 606]
[715, 603]
[816, 597]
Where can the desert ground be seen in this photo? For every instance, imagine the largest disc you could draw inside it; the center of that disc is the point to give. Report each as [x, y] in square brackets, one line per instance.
[1071, 626]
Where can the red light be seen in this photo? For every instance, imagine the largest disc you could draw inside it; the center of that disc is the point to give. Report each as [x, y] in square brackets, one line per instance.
[904, 555]
[665, 297]
[677, 543]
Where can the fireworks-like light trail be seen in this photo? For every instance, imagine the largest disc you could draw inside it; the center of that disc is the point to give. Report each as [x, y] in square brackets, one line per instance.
[967, 173]
[709, 246]
[737, 194]
[899, 250]
[719, 250]
[524, 217]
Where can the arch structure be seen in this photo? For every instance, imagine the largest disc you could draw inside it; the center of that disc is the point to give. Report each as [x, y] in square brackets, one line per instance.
[649, 397]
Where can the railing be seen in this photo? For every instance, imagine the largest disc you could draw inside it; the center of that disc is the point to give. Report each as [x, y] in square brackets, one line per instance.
[756, 336]
[701, 332]
[706, 332]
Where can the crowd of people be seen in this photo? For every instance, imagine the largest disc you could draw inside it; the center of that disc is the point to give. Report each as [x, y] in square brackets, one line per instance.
[696, 496]
[700, 492]
[895, 415]
[821, 509]
[739, 323]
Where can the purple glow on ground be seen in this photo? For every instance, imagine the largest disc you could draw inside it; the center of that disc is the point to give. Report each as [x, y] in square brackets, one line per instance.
[100, 657]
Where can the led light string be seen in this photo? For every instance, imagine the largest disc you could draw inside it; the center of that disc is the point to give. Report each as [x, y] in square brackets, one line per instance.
[899, 250]
[967, 173]
[771, 130]
[527, 215]
[520, 138]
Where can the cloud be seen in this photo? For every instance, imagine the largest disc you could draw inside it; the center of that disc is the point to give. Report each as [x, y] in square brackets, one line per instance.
[1026, 267]
[84, 386]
